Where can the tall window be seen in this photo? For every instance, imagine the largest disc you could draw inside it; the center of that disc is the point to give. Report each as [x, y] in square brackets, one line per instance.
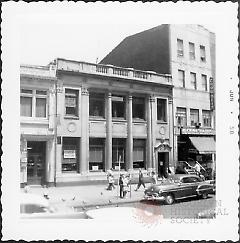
[181, 78]
[96, 105]
[70, 150]
[206, 118]
[138, 108]
[118, 107]
[191, 51]
[180, 48]
[96, 154]
[202, 53]
[71, 102]
[193, 79]
[204, 82]
[118, 153]
[139, 151]
[194, 117]
[33, 103]
[181, 116]
[162, 110]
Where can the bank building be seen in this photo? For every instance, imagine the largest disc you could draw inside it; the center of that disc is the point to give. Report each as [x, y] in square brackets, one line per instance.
[80, 119]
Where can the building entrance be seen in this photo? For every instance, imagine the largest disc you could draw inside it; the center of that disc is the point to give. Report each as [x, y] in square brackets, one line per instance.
[36, 162]
[163, 163]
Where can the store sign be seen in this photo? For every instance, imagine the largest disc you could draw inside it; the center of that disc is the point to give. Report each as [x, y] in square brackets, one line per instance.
[69, 154]
[211, 93]
[198, 131]
[70, 102]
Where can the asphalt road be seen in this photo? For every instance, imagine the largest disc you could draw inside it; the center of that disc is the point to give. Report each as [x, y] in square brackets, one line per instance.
[182, 209]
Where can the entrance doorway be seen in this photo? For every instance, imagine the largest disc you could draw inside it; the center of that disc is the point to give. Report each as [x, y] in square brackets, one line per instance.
[163, 164]
[36, 162]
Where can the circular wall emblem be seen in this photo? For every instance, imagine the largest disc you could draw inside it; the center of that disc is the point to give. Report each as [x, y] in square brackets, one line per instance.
[71, 127]
[162, 130]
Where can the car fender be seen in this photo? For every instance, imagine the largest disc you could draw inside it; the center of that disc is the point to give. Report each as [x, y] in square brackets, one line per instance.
[204, 188]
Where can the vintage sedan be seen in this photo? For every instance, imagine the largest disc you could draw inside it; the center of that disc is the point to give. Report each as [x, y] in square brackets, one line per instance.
[178, 186]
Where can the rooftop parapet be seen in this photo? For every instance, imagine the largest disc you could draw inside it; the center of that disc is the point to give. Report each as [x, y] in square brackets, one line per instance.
[113, 71]
[48, 72]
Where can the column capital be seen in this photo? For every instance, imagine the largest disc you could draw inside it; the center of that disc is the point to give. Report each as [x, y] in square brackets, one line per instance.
[85, 91]
[151, 98]
[170, 100]
[129, 96]
[109, 95]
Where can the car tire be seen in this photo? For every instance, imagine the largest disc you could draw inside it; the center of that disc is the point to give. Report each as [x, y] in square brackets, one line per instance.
[204, 195]
[169, 199]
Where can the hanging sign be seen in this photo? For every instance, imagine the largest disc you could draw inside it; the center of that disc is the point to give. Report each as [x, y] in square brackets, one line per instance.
[211, 93]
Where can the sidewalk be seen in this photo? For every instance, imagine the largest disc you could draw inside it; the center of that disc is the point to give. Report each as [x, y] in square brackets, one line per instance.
[87, 195]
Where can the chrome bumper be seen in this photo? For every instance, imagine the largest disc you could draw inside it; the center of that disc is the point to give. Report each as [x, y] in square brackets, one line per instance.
[154, 197]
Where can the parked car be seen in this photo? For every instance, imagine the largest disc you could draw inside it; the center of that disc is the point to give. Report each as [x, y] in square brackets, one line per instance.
[179, 186]
[34, 206]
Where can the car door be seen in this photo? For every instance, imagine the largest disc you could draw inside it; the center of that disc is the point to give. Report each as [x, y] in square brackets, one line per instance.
[186, 187]
[194, 181]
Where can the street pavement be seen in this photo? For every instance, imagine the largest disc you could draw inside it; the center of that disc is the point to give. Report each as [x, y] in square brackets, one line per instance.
[87, 195]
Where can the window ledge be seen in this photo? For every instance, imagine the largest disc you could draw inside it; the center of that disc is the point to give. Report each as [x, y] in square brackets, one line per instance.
[34, 120]
[71, 117]
[162, 122]
[139, 121]
[96, 118]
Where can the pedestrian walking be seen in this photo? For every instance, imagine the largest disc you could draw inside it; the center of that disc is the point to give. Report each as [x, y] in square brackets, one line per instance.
[154, 177]
[121, 185]
[110, 182]
[140, 180]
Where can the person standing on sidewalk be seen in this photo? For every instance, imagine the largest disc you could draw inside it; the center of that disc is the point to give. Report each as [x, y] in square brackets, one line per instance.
[140, 180]
[125, 186]
[121, 185]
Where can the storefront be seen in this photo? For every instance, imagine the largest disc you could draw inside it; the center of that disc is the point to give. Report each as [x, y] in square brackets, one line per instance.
[198, 145]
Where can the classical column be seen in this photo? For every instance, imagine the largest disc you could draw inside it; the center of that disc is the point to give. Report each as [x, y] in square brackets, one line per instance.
[129, 164]
[109, 132]
[149, 133]
[84, 151]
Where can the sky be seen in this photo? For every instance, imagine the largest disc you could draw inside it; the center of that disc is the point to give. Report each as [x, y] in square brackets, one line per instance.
[88, 32]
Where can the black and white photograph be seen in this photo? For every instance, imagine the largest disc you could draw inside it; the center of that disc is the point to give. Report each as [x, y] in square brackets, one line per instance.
[120, 121]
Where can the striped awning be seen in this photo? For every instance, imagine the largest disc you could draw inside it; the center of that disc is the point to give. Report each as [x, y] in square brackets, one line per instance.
[204, 145]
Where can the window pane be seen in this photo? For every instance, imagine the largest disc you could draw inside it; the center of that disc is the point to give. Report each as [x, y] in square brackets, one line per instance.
[40, 107]
[71, 102]
[202, 53]
[161, 110]
[96, 105]
[118, 107]
[179, 47]
[26, 91]
[191, 51]
[193, 80]
[118, 151]
[138, 108]
[181, 78]
[139, 153]
[181, 116]
[206, 118]
[194, 116]
[26, 106]
[204, 82]
[41, 92]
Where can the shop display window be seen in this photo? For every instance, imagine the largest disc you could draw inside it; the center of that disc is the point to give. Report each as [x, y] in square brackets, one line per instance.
[139, 153]
[118, 153]
[138, 108]
[96, 154]
[70, 155]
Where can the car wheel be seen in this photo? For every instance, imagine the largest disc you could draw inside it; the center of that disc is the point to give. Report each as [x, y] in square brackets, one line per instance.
[169, 199]
[204, 195]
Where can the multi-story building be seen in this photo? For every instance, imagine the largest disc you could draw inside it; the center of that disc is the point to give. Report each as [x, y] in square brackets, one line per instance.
[187, 52]
[80, 119]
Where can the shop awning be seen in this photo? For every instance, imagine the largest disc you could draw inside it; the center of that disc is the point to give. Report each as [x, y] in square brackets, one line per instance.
[204, 145]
